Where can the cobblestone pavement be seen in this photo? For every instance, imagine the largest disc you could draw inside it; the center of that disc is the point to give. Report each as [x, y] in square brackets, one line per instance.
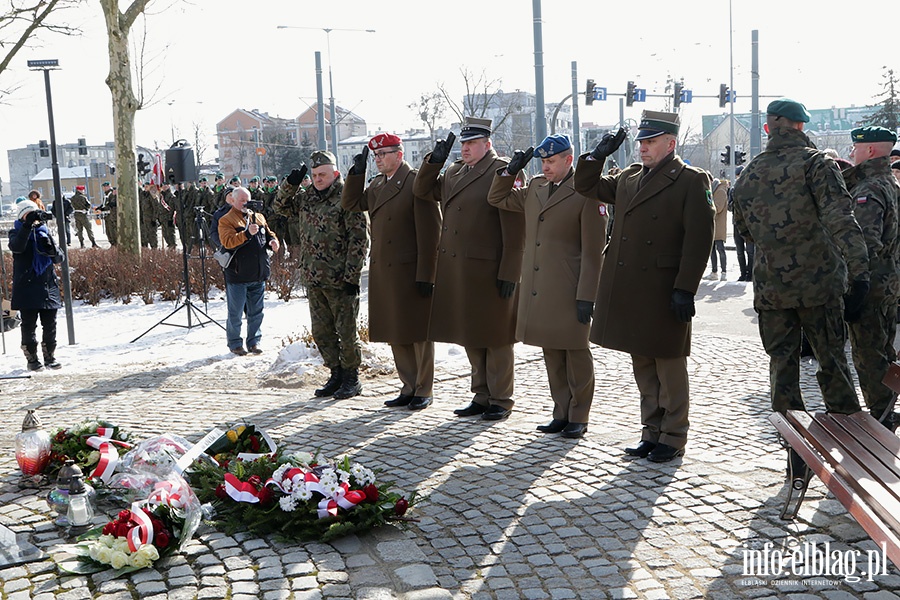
[510, 513]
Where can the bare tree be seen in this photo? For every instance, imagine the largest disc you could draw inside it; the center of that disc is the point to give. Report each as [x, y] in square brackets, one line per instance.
[124, 104]
[430, 108]
[483, 97]
[23, 20]
[200, 144]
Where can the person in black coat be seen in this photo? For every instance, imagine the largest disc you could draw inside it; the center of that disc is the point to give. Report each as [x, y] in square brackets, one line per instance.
[35, 289]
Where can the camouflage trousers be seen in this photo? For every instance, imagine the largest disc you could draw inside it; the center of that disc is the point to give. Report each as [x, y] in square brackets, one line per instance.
[149, 235]
[872, 344]
[779, 331]
[112, 228]
[333, 313]
[82, 224]
[168, 231]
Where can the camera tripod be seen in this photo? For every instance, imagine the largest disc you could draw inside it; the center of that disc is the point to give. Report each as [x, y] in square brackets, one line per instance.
[202, 231]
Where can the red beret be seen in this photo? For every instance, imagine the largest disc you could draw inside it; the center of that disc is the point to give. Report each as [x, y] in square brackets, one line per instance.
[79, 188]
[384, 139]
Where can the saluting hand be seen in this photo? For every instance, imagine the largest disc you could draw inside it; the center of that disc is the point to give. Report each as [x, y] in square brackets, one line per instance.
[360, 161]
[297, 175]
[608, 144]
[442, 149]
[520, 160]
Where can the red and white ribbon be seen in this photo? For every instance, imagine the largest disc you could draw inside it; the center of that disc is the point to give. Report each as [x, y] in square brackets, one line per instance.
[142, 533]
[344, 498]
[109, 456]
[157, 176]
[165, 492]
[240, 491]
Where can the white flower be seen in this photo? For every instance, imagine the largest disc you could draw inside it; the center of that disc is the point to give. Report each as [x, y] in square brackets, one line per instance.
[356, 470]
[139, 561]
[332, 488]
[107, 540]
[280, 471]
[104, 555]
[328, 477]
[148, 551]
[302, 493]
[301, 459]
[343, 476]
[118, 560]
[94, 549]
[93, 457]
[120, 545]
[287, 503]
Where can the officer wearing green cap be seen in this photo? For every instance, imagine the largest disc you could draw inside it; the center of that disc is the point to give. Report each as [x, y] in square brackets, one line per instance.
[333, 244]
[874, 191]
[661, 239]
[791, 201]
[256, 192]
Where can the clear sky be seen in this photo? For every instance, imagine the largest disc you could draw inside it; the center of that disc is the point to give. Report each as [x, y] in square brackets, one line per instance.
[211, 56]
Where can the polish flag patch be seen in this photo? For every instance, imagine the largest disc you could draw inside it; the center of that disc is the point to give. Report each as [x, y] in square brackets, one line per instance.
[861, 199]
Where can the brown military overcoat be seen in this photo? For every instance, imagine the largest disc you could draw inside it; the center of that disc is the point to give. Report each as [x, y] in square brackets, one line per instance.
[404, 242]
[479, 245]
[661, 239]
[564, 238]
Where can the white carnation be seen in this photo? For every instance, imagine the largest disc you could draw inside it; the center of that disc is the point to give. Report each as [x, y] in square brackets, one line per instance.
[287, 503]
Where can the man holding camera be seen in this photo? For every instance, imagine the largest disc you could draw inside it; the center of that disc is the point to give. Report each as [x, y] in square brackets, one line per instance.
[333, 245]
[245, 233]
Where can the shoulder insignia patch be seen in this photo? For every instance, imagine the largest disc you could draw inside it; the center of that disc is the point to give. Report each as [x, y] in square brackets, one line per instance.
[862, 199]
[709, 198]
[602, 209]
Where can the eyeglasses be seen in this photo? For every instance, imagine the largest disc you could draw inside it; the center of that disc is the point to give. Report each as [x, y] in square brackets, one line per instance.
[384, 153]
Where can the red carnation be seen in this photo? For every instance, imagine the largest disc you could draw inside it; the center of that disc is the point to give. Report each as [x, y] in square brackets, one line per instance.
[61, 436]
[221, 494]
[254, 443]
[371, 492]
[110, 528]
[225, 464]
[266, 497]
[124, 515]
[401, 506]
[162, 539]
[122, 528]
[255, 481]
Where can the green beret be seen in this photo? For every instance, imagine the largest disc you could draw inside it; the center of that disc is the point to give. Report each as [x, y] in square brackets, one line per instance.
[789, 109]
[872, 134]
[235, 179]
[203, 179]
[254, 178]
[321, 157]
[220, 176]
[105, 184]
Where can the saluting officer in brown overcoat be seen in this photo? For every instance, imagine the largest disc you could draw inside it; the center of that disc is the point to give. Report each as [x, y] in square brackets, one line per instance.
[564, 237]
[405, 232]
[661, 237]
[479, 264]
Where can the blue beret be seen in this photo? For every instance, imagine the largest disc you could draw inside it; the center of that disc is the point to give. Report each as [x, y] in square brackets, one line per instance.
[873, 134]
[789, 109]
[553, 145]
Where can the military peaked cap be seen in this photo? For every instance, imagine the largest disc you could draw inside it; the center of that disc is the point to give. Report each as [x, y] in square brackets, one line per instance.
[321, 157]
[475, 128]
[655, 123]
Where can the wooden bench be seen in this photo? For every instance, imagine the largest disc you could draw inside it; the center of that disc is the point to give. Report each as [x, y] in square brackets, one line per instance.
[858, 459]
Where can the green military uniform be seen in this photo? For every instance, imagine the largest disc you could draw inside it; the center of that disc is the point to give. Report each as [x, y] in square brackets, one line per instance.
[82, 207]
[874, 192]
[186, 200]
[275, 221]
[110, 211]
[166, 216]
[149, 225]
[333, 246]
[792, 203]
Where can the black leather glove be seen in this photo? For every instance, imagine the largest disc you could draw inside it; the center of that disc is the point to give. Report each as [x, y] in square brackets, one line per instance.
[585, 310]
[31, 217]
[683, 305]
[425, 288]
[854, 301]
[442, 149]
[352, 289]
[520, 160]
[608, 144]
[507, 288]
[360, 161]
[297, 175]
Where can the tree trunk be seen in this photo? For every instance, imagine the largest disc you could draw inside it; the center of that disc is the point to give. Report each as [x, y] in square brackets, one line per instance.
[124, 105]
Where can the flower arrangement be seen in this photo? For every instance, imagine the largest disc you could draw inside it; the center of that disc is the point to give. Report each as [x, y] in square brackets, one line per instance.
[138, 537]
[95, 446]
[243, 441]
[297, 497]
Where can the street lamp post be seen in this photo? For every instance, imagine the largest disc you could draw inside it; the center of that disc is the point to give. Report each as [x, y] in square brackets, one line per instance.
[333, 113]
[46, 66]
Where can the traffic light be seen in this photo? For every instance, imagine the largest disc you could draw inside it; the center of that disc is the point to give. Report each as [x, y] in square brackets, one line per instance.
[143, 167]
[723, 95]
[726, 156]
[589, 93]
[679, 87]
[629, 94]
[739, 157]
[82, 147]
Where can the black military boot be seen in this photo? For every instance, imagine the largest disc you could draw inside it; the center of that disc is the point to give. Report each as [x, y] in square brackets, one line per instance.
[31, 356]
[350, 386]
[49, 359]
[332, 385]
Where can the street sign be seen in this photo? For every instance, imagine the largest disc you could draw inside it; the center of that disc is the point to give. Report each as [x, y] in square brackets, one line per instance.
[640, 95]
[599, 93]
[260, 151]
[687, 96]
[43, 64]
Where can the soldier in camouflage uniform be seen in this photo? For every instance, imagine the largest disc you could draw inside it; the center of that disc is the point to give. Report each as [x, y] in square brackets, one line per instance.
[276, 221]
[110, 206]
[148, 202]
[218, 191]
[792, 203]
[187, 198]
[82, 207]
[874, 192]
[166, 214]
[333, 246]
[207, 197]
